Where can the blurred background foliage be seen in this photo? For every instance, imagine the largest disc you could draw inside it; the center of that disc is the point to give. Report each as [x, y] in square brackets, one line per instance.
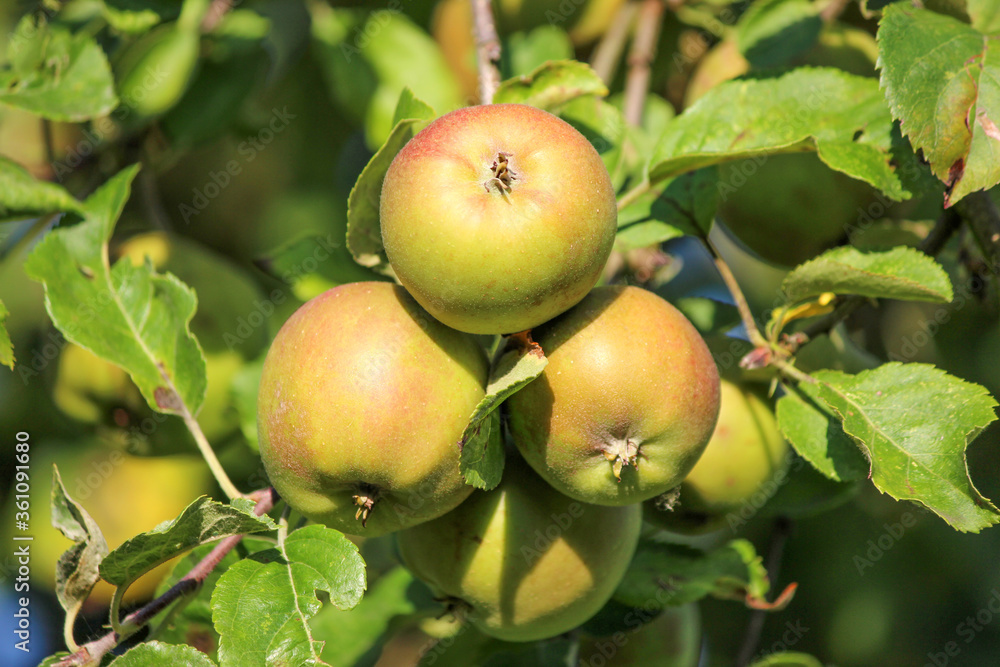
[274, 113]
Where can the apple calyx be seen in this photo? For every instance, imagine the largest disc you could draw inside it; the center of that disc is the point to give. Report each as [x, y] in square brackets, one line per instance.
[455, 607]
[365, 500]
[502, 174]
[622, 452]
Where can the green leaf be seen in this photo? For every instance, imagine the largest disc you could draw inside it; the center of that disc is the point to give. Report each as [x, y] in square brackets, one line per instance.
[56, 74]
[349, 635]
[138, 16]
[915, 421]
[314, 264]
[364, 234]
[841, 116]
[685, 205]
[551, 85]
[523, 52]
[262, 605]
[943, 84]
[6, 347]
[604, 127]
[192, 624]
[772, 32]
[409, 106]
[128, 315]
[788, 659]
[24, 196]
[203, 521]
[817, 435]
[157, 654]
[900, 273]
[482, 455]
[663, 575]
[482, 450]
[77, 568]
[370, 57]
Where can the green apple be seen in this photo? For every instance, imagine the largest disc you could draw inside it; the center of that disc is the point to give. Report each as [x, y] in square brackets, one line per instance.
[362, 402]
[626, 404]
[497, 218]
[523, 562]
[154, 71]
[746, 450]
[672, 638]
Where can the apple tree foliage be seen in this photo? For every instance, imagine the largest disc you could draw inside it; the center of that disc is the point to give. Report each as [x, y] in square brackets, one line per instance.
[926, 128]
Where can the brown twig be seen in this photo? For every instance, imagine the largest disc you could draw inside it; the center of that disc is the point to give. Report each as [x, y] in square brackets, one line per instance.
[647, 33]
[92, 652]
[608, 51]
[980, 212]
[833, 9]
[214, 15]
[487, 49]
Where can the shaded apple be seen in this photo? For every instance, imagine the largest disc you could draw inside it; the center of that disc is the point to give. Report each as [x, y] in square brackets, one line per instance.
[788, 208]
[362, 402]
[524, 562]
[497, 218]
[626, 404]
[745, 452]
[672, 638]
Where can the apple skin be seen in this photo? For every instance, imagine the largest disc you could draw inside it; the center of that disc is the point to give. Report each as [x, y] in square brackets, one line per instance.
[523, 561]
[745, 451]
[630, 389]
[671, 639]
[364, 396]
[485, 260]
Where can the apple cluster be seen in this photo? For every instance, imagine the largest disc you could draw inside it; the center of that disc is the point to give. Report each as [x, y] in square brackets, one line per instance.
[496, 219]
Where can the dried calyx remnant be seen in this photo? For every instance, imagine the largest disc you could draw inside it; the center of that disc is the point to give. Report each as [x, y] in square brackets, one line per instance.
[502, 173]
[365, 499]
[621, 453]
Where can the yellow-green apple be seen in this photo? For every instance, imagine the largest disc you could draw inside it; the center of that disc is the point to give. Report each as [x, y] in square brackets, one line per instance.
[362, 403]
[497, 218]
[672, 638]
[626, 404]
[523, 562]
[745, 452]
